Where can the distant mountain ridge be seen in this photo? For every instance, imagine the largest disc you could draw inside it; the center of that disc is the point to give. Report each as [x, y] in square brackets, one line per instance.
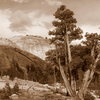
[34, 44]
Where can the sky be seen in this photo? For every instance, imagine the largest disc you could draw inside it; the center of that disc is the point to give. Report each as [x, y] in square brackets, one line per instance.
[34, 17]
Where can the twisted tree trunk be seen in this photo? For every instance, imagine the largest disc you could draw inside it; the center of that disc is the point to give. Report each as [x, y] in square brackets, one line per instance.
[88, 75]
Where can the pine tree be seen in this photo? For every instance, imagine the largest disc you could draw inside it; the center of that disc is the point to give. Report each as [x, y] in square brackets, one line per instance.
[70, 58]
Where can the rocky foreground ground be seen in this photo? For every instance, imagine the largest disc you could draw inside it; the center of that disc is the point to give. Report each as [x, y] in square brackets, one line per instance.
[35, 91]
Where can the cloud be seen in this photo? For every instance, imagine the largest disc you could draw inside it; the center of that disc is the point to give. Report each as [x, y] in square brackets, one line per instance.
[20, 1]
[41, 25]
[90, 28]
[4, 23]
[33, 17]
[85, 13]
[43, 20]
[5, 31]
[30, 23]
[54, 2]
[20, 21]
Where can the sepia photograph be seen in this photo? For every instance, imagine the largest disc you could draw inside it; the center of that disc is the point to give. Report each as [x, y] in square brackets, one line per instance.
[49, 49]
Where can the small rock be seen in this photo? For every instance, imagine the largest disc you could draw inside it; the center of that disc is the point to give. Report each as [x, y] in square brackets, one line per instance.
[14, 96]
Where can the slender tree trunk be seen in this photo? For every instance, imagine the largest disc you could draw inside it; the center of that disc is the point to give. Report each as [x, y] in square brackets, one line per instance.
[68, 48]
[54, 75]
[67, 84]
[66, 57]
[73, 94]
[72, 79]
[24, 72]
[66, 81]
[1, 74]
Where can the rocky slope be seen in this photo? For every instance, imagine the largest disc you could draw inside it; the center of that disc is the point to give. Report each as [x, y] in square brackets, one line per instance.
[30, 90]
[34, 44]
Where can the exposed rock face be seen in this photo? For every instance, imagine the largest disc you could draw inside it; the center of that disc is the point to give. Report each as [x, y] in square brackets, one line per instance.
[34, 44]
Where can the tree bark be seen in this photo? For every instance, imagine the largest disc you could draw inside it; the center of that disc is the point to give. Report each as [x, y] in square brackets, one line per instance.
[88, 76]
[54, 75]
[67, 84]
[66, 40]
[91, 73]
[72, 79]
[66, 81]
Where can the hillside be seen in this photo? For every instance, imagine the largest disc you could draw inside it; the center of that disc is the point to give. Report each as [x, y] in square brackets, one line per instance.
[34, 44]
[16, 62]
[7, 42]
